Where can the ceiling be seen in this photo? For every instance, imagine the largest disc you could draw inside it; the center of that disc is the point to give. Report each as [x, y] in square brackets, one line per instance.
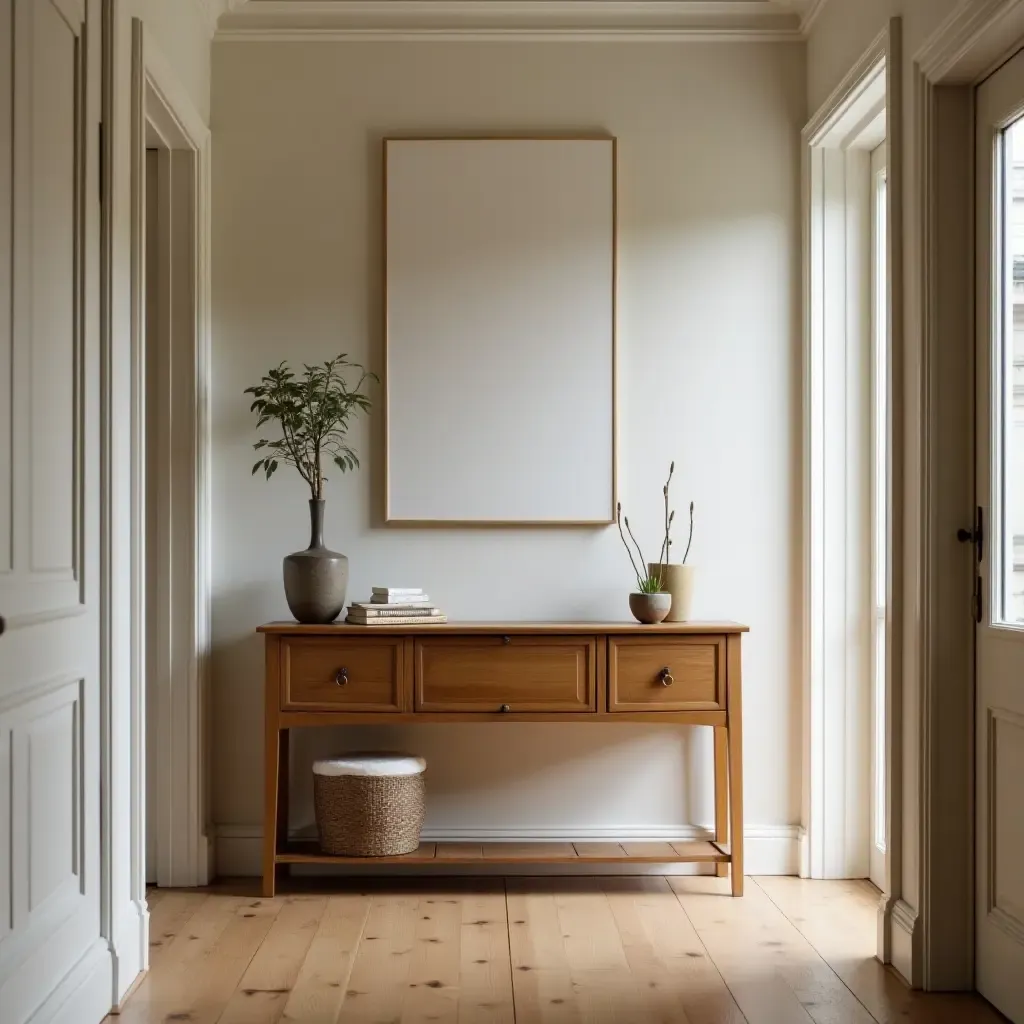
[241, 20]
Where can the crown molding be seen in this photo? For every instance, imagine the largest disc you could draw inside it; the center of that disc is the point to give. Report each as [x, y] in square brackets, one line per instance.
[812, 10]
[509, 20]
[210, 12]
[965, 31]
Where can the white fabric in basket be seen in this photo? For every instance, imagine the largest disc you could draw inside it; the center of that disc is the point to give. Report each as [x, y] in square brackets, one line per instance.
[370, 764]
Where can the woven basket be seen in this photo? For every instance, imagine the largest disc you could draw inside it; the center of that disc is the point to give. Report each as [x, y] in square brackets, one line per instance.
[369, 805]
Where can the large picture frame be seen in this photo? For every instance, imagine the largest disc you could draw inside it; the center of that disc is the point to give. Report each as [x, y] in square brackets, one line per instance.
[500, 273]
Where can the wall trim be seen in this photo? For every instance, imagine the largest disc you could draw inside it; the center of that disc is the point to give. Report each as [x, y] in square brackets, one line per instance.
[523, 20]
[769, 849]
[811, 15]
[950, 54]
[905, 936]
[853, 84]
[181, 767]
[836, 632]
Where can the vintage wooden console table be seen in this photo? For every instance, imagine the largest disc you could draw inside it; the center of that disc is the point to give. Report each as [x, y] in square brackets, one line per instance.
[674, 673]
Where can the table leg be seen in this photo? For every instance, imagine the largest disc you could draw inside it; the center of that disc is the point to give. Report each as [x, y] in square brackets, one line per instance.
[271, 764]
[735, 719]
[283, 792]
[271, 808]
[721, 793]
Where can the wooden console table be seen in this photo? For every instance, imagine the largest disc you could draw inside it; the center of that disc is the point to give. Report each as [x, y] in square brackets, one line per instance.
[674, 673]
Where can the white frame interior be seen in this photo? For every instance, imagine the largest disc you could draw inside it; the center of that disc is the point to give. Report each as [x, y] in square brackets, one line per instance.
[466, 341]
[880, 527]
[838, 146]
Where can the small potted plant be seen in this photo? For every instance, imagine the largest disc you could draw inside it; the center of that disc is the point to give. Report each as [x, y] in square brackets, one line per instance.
[676, 578]
[313, 413]
[648, 603]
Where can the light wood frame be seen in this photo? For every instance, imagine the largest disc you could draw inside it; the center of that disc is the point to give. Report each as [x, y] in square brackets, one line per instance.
[512, 137]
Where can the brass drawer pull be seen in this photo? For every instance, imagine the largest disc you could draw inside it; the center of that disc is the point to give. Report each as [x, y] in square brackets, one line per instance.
[341, 677]
[506, 639]
[505, 709]
[665, 677]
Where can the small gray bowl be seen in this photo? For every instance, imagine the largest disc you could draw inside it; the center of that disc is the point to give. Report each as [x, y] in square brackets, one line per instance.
[650, 608]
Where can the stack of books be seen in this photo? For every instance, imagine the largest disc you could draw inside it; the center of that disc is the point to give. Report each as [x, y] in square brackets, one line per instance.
[395, 606]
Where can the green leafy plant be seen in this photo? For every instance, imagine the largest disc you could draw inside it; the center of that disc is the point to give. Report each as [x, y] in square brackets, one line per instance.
[314, 412]
[651, 582]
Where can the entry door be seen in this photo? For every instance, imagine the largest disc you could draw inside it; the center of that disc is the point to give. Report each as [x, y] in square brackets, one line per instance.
[53, 964]
[1000, 637]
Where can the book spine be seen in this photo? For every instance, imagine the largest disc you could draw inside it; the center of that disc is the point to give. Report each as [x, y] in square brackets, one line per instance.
[420, 600]
[398, 620]
[369, 606]
[396, 591]
[391, 613]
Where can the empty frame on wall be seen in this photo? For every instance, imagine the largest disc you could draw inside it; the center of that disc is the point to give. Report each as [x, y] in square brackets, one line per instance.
[500, 270]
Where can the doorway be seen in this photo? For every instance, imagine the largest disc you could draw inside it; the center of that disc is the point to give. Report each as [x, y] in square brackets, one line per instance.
[999, 538]
[170, 348]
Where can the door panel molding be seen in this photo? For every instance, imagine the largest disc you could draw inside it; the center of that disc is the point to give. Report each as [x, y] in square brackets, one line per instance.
[41, 452]
[51, 678]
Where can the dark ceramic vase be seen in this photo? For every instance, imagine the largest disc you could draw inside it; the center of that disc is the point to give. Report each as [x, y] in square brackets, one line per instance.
[315, 580]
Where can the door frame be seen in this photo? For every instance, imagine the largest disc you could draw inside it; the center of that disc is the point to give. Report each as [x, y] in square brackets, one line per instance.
[838, 143]
[937, 906]
[133, 70]
[178, 773]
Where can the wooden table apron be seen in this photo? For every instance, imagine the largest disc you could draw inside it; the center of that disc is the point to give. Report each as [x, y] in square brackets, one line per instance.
[668, 674]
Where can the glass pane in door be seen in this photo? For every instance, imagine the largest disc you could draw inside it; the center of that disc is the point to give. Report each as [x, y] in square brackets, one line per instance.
[1009, 408]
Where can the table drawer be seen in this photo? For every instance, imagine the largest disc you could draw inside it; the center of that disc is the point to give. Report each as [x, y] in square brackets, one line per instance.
[342, 674]
[671, 674]
[516, 673]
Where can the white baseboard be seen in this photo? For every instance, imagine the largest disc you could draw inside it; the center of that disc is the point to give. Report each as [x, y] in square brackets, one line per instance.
[130, 953]
[904, 939]
[768, 849]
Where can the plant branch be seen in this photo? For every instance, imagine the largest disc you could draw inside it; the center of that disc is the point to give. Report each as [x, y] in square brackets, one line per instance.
[666, 545]
[690, 540]
[618, 520]
[643, 561]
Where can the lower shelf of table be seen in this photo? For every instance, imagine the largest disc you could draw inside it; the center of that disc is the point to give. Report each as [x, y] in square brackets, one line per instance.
[468, 854]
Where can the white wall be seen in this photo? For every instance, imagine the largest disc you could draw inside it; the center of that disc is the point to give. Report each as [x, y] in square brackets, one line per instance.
[709, 344]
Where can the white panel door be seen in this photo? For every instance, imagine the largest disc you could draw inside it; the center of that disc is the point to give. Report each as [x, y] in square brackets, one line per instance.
[1000, 638]
[52, 957]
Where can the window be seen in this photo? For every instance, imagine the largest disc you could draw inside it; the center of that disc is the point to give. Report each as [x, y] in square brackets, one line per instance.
[879, 503]
[847, 484]
[1010, 599]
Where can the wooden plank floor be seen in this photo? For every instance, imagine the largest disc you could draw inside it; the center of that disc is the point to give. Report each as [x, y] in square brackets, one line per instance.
[548, 950]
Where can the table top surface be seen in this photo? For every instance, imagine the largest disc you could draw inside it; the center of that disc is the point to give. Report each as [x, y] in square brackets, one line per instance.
[508, 628]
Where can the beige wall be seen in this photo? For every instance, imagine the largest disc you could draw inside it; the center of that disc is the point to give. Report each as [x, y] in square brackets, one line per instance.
[709, 347]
